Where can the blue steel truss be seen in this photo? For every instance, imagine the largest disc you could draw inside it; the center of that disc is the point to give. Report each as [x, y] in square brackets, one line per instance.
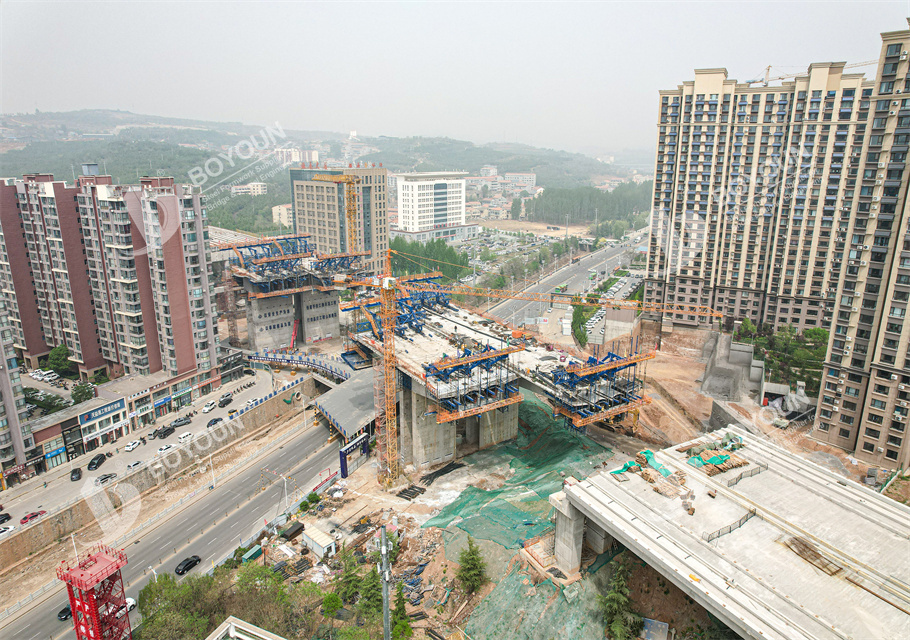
[572, 380]
[466, 368]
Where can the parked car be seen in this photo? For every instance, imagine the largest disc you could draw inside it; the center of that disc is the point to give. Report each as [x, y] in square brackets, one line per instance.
[165, 449]
[164, 432]
[129, 605]
[6, 530]
[96, 462]
[187, 564]
[133, 465]
[232, 413]
[225, 401]
[34, 515]
[225, 395]
[251, 402]
[184, 437]
[211, 404]
[104, 479]
[213, 422]
[65, 613]
[76, 474]
[5, 517]
[132, 445]
[180, 422]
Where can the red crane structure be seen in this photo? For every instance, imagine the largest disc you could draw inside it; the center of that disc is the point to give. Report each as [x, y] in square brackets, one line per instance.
[96, 595]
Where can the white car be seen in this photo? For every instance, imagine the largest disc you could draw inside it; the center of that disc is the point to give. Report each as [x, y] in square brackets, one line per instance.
[6, 530]
[165, 449]
[129, 605]
[132, 445]
[250, 402]
[211, 404]
[133, 465]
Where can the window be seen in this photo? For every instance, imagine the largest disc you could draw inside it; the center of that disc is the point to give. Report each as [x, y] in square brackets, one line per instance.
[891, 454]
[844, 433]
[894, 49]
[875, 434]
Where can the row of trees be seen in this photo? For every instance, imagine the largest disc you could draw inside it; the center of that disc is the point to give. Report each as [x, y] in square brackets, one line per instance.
[431, 256]
[624, 203]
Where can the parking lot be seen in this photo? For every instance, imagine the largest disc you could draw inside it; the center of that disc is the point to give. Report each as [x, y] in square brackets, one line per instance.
[621, 290]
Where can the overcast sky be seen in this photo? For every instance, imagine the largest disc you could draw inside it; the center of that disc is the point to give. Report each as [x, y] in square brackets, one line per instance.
[578, 76]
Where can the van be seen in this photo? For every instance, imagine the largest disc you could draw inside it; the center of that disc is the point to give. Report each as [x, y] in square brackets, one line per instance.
[184, 437]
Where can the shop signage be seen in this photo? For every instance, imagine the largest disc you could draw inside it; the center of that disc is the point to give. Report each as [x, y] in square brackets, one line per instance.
[12, 470]
[107, 429]
[100, 412]
[158, 403]
[55, 452]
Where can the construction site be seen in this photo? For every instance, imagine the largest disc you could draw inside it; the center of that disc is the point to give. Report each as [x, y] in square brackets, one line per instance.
[482, 429]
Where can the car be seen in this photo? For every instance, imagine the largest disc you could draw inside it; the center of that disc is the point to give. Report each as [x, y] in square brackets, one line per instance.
[250, 402]
[550, 310]
[226, 395]
[180, 422]
[5, 517]
[34, 515]
[184, 437]
[225, 401]
[76, 475]
[211, 404]
[96, 462]
[249, 372]
[187, 564]
[65, 613]
[51, 377]
[6, 530]
[164, 449]
[132, 445]
[133, 465]
[107, 477]
[129, 605]
[164, 432]
[213, 422]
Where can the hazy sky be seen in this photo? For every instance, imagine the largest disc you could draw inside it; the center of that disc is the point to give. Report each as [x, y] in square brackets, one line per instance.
[570, 75]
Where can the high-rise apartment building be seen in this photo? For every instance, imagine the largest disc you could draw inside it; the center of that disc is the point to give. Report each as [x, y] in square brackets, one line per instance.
[864, 402]
[751, 199]
[431, 206]
[121, 274]
[16, 441]
[319, 210]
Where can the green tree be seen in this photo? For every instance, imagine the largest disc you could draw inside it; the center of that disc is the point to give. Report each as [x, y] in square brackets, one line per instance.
[516, 208]
[616, 607]
[347, 585]
[401, 622]
[371, 594]
[81, 392]
[402, 629]
[472, 572]
[331, 603]
[100, 377]
[58, 359]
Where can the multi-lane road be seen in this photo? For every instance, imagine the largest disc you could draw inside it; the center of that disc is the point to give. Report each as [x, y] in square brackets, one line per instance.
[54, 488]
[574, 275]
[301, 459]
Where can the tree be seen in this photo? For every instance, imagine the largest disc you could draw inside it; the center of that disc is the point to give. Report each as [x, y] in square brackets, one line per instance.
[347, 585]
[81, 392]
[473, 570]
[331, 603]
[58, 359]
[371, 594]
[516, 208]
[401, 622]
[402, 629]
[616, 608]
[100, 377]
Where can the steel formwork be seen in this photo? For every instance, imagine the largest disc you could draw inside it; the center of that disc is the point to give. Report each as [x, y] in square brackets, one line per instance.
[96, 595]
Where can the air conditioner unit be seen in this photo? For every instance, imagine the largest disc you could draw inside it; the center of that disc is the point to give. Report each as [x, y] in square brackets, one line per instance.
[855, 309]
[894, 103]
[836, 409]
[880, 449]
[875, 207]
[872, 215]
[903, 403]
[902, 387]
[881, 165]
[891, 113]
[865, 247]
[894, 376]
[878, 182]
[836, 401]
[849, 339]
[862, 263]
[904, 55]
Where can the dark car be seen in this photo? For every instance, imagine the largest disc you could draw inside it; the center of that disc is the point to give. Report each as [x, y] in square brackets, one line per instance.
[213, 422]
[96, 462]
[65, 613]
[225, 401]
[187, 564]
[165, 432]
[34, 515]
[5, 517]
[180, 422]
[76, 474]
[107, 477]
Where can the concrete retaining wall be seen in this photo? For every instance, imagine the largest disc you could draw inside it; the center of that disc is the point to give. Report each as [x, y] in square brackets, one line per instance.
[108, 503]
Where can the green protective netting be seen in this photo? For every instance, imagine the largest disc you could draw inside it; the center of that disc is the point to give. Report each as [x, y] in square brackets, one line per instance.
[625, 467]
[517, 608]
[532, 463]
[661, 469]
[696, 461]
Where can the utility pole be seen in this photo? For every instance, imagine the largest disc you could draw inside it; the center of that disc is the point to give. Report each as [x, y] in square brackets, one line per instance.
[386, 578]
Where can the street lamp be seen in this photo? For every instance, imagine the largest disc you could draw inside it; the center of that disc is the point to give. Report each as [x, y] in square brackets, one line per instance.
[155, 572]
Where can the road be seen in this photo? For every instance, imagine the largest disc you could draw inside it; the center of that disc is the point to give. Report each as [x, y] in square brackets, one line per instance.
[32, 495]
[164, 547]
[575, 275]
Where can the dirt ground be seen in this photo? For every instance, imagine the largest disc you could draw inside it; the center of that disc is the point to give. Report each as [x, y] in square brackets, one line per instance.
[655, 597]
[539, 228]
[33, 573]
[900, 490]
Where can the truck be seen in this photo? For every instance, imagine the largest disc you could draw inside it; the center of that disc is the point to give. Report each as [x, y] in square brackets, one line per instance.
[575, 259]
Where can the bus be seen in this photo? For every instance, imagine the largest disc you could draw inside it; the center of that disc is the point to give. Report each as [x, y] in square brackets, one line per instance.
[561, 288]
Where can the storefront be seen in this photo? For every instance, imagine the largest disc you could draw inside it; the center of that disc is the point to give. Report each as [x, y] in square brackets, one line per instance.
[162, 406]
[35, 462]
[72, 439]
[104, 424]
[55, 457]
[13, 475]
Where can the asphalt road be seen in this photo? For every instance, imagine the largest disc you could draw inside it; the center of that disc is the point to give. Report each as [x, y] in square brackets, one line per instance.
[575, 275]
[32, 495]
[165, 546]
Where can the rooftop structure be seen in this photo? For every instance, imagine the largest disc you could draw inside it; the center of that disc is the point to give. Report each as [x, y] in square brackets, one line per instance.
[772, 544]
[237, 629]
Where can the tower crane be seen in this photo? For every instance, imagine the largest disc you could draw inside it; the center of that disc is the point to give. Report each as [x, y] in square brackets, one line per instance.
[768, 78]
[386, 389]
[350, 205]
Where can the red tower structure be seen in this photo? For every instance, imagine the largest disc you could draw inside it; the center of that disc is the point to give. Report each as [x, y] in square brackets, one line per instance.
[96, 595]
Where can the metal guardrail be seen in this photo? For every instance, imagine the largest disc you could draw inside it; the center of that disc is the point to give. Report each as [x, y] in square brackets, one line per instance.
[708, 537]
[150, 521]
[748, 474]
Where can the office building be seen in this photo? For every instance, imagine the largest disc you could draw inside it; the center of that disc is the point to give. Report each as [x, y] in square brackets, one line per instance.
[865, 396]
[319, 211]
[751, 203]
[283, 215]
[431, 203]
[250, 189]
